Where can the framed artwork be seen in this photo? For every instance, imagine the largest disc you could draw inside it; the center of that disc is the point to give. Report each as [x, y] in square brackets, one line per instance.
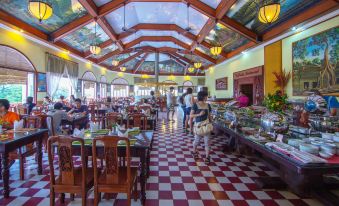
[314, 63]
[41, 82]
[221, 84]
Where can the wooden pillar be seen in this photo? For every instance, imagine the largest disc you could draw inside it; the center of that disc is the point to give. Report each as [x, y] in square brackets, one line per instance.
[273, 63]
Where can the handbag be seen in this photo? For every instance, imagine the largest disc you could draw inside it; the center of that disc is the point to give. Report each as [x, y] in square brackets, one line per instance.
[204, 127]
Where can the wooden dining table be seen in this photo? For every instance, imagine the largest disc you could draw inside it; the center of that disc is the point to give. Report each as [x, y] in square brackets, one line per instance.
[12, 140]
[141, 146]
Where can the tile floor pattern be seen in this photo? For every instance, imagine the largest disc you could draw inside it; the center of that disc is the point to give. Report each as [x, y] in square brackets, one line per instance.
[175, 178]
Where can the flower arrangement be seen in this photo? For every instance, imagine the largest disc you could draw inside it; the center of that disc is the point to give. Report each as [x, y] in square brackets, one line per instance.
[282, 79]
[276, 102]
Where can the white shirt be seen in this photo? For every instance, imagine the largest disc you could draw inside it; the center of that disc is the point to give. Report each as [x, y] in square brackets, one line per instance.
[187, 100]
[169, 97]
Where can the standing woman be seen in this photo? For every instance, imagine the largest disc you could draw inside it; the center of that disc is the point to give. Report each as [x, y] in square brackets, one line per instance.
[189, 101]
[201, 112]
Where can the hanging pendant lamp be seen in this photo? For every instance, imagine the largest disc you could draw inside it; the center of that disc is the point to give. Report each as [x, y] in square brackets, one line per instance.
[190, 69]
[268, 12]
[123, 68]
[40, 9]
[197, 65]
[216, 50]
[94, 48]
[115, 63]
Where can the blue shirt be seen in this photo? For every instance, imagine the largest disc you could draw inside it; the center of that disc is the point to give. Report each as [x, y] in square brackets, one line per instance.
[332, 102]
[196, 110]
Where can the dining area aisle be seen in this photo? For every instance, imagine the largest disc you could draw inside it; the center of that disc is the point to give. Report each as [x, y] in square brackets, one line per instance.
[175, 177]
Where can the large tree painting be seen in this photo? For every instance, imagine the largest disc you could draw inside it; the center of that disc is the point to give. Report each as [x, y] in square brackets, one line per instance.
[314, 62]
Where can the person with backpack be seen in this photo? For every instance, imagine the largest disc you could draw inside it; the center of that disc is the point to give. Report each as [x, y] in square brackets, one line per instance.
[188, 101]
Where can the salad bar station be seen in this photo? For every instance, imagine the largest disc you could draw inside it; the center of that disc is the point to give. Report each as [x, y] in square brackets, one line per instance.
[305, 158]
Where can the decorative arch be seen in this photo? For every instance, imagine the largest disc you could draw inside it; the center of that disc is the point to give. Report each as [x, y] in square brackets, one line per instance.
[11, 58]
[103, 79]
[187, 84]
[89, 76]
[120, 81]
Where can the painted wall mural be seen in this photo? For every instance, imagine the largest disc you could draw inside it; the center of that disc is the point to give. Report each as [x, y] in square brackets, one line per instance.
[82, 38]
[245, 12]
[62, 13]
[225, 37]
[170, 66]
[147, 66]
[315, 63]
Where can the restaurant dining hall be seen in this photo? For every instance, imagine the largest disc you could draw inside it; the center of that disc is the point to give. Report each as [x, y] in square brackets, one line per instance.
[169, 102]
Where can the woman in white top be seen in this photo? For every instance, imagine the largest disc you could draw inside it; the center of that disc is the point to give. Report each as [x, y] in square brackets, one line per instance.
[189, 101]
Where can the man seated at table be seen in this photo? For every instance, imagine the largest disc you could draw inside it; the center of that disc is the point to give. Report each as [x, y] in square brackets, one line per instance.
[7, 118]
[29, 104]
[63, 101]
[78, 108]
[58, 115]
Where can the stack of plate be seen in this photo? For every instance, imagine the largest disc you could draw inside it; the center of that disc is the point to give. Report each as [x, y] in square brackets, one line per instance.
[309, 148]
[295, 142]
[328, 136]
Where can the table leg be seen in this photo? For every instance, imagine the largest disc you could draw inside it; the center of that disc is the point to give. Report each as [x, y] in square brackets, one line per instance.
[5, 175]
[143, 176]
[39, 154]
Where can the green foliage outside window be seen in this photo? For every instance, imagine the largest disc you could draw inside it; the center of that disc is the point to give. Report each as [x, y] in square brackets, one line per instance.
[11, 92]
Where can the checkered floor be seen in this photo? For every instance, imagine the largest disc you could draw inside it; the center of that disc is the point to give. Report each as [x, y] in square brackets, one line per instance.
[175, 178]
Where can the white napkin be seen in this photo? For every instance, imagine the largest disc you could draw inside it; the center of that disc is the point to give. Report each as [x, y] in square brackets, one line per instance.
[78, 133]
[121, 127]
[94, 126]
[18, 125]
[123, 134]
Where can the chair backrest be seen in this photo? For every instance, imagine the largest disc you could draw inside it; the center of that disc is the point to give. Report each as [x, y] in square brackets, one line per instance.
[145, 108]
[93, 110]
[65, 159]
[47, 123]
[21, 110]
[111, 158]
[132, 109]
[32, 122]
[137, 120]
[113, 118]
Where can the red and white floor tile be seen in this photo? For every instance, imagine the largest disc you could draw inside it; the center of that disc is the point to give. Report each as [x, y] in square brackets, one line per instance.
[175, 178]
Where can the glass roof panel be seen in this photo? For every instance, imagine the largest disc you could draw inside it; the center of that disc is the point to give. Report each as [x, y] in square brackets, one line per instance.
[212, 3]
[82, 38]
[131, 64]
[156, 33]
[156, 13]
[158, 44]
[62, 13]
[162, 57]
[118, 57]
[105, 51]
[195, 58]
[245, 12]
[101, 2]
[170, 66]
[225, 37]
[147, 66]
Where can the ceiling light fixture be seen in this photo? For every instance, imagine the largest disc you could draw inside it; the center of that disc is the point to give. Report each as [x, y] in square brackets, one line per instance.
[216, 50]
[123, 68]
[197, 65]
[94, 48]
[40, 9]
[268, 12]
[115, 63]
[191, 69]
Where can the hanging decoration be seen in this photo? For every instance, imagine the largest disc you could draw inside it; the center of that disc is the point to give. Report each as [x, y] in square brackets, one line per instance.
[94, 48]
[268, 11]
[191, 69]
[197, 65]
[40, 9]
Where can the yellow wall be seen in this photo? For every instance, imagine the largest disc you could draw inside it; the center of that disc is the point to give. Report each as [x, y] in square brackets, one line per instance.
[287, 46]
[244, 61]
[36, 54]
[272, 64]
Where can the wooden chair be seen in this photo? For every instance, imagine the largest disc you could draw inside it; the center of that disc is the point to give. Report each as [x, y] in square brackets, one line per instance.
[137, 120]
[132, 109]
[113, 118]
[73, 180]
[114, 177]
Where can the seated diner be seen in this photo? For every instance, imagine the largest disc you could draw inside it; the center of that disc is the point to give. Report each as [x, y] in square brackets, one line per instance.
[169, 103]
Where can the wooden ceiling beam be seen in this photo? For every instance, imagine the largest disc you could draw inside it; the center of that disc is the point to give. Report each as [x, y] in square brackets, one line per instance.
[71, 27]
[223, 8]
[101, 45]
[92, 9]
[201, 7]
[124, 61]
[239, 28]
[205, 56]
[182, 63]
[128, 50]
[17, 24]
[138, 65]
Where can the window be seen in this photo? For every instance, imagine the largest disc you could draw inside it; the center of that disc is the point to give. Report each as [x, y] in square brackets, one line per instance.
[163, 89]
[120, 88]
[103, 87]
[89, 85]
[143, 91]
[64, 89]
[17, 75]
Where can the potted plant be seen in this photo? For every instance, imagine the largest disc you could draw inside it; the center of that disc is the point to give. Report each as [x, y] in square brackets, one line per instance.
[281, 80]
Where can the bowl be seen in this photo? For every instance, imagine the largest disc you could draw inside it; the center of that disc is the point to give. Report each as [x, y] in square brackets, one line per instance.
[329, 148]
[325, 155]
[294, 142]
[336, 138]
[328, 136]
